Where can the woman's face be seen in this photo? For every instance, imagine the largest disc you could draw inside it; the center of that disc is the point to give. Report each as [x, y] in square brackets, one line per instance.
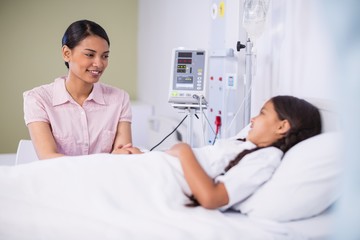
[88, 60]
[266, 128]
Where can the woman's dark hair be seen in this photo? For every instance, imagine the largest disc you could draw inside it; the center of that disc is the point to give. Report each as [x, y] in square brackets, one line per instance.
[79, 30]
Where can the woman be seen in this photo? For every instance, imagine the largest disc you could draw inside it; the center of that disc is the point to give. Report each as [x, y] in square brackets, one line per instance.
[217, 181]
[76, 114]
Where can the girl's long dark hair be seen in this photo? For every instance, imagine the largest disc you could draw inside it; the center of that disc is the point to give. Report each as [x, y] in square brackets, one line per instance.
[305, 122]
[304, 119]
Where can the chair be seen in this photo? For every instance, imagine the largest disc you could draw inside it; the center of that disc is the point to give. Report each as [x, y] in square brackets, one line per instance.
[25, 152]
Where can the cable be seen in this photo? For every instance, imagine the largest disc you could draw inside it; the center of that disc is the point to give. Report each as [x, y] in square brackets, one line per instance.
[212, 129]
[169, 133]
[202, 118]
[215, 136]
[247, 95]
[202, 101]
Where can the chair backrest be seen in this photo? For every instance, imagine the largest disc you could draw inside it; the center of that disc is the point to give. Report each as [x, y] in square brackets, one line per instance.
[25, 152]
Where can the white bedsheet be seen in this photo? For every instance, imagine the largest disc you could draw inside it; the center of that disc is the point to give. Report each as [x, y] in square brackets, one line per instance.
[106, 196]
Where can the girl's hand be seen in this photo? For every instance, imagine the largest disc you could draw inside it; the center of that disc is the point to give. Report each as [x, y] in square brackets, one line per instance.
[208, 193]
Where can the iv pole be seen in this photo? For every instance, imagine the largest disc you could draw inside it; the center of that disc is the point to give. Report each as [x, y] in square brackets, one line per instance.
[254, 23]
[191, 112]
[248, 81]
[247, 78]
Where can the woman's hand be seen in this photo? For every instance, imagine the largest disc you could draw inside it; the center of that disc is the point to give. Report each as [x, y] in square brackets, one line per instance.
[126, 149]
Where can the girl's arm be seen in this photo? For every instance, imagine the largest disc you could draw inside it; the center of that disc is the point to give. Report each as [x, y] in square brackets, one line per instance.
[209, 194]
[43, 140]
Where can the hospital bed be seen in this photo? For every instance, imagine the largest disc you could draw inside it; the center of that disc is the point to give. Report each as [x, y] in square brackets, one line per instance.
[90, 203]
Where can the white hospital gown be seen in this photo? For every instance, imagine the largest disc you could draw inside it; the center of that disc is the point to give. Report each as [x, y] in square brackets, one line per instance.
[247, 176]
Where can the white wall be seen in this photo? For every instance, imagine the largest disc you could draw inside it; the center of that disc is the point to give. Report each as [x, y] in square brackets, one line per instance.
[293, 56]
[164, 25]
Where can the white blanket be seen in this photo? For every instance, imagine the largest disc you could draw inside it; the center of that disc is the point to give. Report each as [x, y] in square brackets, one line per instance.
[106, 196]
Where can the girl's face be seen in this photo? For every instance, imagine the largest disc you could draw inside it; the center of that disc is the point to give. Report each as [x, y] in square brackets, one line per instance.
[88, 60]
[267, 128]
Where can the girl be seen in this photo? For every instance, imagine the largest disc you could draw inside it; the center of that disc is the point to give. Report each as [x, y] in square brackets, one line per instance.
[77, 115]
[217, 181]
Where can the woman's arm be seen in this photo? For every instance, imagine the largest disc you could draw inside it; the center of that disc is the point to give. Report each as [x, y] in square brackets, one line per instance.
[43, 140]
[123, 137]
[209, 194]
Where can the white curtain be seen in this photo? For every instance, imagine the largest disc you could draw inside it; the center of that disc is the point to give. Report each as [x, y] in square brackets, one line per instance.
[293, 56]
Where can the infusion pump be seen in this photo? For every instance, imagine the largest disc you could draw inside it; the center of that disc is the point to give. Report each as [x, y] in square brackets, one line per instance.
[188, 78]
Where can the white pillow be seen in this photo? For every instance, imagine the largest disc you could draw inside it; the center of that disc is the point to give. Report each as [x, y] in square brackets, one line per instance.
[243, 132]
[304, 185]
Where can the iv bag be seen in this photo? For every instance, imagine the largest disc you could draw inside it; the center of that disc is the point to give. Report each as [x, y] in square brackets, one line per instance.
[254, 17]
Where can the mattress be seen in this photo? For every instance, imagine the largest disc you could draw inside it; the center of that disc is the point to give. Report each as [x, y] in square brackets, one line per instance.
[316, 228]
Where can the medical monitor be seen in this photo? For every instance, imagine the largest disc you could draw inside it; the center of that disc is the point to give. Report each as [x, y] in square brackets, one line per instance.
[188, 77]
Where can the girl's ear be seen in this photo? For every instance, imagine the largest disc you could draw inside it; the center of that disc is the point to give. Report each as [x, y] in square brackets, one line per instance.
[66, 52]
[284, 127]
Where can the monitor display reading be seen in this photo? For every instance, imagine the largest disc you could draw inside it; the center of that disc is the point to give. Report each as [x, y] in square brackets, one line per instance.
[188, 76]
